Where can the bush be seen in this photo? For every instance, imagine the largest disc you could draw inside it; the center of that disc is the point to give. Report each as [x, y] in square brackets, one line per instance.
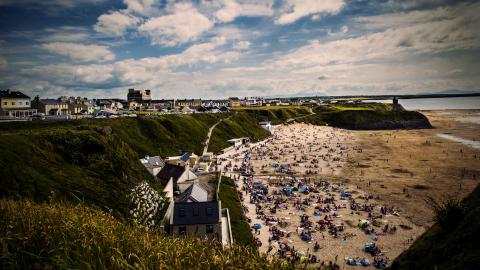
[55, 236]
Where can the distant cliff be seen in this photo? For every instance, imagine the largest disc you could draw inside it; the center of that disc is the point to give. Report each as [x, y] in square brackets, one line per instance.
[367, 117]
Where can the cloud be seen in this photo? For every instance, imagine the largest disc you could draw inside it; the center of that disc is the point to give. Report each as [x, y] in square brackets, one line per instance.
[49, 3]
[232, 9]
[183, 25]
[64, 34]
[296, 9]
[115, 23]
[143, 7]
[79, 52]
[3, 63]
[242, 45]
[404, 40]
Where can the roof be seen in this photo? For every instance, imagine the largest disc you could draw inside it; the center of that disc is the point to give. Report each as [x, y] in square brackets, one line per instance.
[168, 171]
[12, 94]
[191, 213]
[51, 101]
[194, 193]
[185, 156]
[152, 162]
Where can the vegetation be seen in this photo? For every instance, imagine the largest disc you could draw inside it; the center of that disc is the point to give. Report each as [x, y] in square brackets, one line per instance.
[276, 114]
[95, 161]
[58, 236]
[241, 232]
[366, 116]
[240, 124]
[452, 243]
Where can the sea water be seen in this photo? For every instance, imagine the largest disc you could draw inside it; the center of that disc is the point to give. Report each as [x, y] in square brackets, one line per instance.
[450, 103]
[470, 143]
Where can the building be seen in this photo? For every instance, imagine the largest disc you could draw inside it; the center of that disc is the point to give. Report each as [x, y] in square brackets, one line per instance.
[239, 141]
[138, 95]
[267, 125]
[185, 159]
[51, 106]
[153, 164]
[15, 104]
[191, 103]
[234, 102]
[178, 174]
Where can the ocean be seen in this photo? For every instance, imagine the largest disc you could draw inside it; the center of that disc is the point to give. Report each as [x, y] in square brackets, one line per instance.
[456, 103]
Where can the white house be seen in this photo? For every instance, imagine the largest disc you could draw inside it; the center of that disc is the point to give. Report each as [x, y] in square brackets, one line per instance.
[267, 125]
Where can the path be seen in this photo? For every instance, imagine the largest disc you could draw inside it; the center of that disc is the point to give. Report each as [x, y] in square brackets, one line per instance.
[299, 117]
[207, 141]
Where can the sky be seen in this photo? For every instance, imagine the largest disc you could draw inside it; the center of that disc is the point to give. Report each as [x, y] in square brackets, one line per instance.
[222, 48]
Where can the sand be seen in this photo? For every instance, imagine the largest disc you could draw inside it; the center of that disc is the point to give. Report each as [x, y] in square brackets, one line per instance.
[399, 168]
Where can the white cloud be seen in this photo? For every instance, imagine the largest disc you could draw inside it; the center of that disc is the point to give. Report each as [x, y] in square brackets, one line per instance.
[115, 23]
[80, 52]
[242, 45]
[456, 33]
[296, 9]
[183, 25]
[143, 7]
[232, 9]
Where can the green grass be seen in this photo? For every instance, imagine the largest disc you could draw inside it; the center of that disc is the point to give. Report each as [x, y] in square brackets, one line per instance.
[76, 161]
[241, 124]
[448, 247]
[366, 116]
[276, 114]
[242, 234]
[58, 236]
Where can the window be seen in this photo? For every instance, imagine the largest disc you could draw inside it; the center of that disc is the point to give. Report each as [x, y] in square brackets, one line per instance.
[19, 103]
[27, 103]
[209, 211]
[13, 102]
[209, 228]
[196, 211]
[181, 212]
[182, 230]
[5, 103]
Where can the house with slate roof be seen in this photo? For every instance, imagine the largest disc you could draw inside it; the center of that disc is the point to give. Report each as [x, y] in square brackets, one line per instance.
[153, 164]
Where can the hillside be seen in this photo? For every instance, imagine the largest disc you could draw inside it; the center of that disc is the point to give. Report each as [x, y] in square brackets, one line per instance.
[373, 116]
[453, 247]
[59, 236]
[241, 124]
[91, 161]
[275, 114]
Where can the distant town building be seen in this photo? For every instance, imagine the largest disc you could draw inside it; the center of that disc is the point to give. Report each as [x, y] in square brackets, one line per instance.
[138, 95]
[15, 104]
[51, 106]
[234, 102]
[191, 103]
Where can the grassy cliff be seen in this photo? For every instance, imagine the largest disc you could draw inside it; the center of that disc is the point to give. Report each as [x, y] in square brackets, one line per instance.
[91, 161]
[241, 232]
[240, 124]
[58, 236]
[366, 116]
[275, 114]
[452, 243]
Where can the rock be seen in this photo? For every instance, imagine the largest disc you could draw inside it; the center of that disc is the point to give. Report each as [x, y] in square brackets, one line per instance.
[107, 130]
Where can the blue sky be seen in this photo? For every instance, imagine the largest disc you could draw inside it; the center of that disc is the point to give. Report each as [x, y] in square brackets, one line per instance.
[222, 48]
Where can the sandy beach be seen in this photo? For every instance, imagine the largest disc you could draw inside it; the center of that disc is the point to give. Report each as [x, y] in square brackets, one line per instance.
[379, 170]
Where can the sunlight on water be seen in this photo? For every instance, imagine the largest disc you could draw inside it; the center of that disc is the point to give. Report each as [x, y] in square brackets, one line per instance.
[473, 144]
